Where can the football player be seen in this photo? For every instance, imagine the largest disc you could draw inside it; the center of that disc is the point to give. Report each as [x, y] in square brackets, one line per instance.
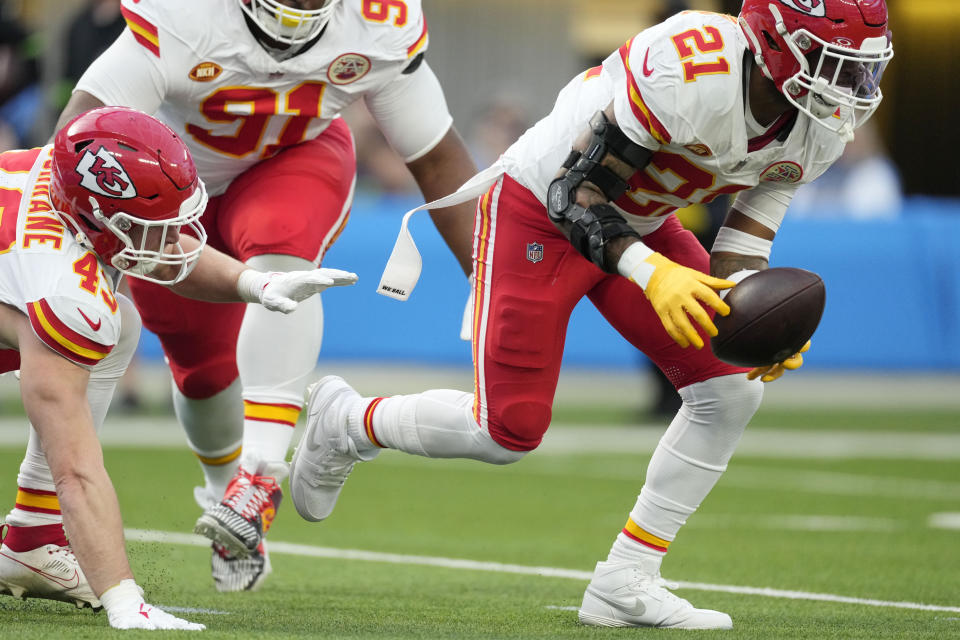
[255, 89]
[116, 193]
[697, 107]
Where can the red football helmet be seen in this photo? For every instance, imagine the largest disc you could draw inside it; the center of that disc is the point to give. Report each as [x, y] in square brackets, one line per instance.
[125, 184]
[825, 56]
[286, 24]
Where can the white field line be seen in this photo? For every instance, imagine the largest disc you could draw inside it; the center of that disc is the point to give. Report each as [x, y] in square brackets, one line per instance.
[566, 439]
[303, 550]
[946, 520]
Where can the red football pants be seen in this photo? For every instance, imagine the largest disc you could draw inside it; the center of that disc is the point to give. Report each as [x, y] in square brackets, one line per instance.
[524, 296]
[295, 203]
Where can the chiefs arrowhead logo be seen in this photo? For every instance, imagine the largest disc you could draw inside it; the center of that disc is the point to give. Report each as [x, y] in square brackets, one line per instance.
[348, 68]
[102, 173]
[815, 8]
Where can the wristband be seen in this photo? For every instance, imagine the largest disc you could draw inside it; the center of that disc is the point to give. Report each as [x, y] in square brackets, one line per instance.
[633, 265]
[125, 593]
[250, 284]
[746, 244]
[736, 277]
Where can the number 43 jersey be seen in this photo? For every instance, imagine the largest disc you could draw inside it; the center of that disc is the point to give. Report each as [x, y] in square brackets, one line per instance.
[197, 67]
[60, 286]
[678, 88]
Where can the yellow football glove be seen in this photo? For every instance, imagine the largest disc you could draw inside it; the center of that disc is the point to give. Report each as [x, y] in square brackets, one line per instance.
[675, 291]
[774, 371]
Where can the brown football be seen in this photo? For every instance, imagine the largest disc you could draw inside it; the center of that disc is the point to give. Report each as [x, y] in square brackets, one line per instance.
[772, 315]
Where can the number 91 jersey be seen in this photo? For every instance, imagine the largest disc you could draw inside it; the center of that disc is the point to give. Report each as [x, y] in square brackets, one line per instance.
[678, 89]
[198, 68]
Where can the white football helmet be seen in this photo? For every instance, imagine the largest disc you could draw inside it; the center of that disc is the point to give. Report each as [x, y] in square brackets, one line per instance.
[286, 24]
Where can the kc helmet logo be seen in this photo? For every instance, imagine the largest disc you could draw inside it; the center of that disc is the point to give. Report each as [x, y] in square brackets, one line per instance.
[815, 8]
[102, 173]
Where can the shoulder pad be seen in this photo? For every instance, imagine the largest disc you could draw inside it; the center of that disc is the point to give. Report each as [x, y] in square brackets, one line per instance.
[399, 28]
[76, 329]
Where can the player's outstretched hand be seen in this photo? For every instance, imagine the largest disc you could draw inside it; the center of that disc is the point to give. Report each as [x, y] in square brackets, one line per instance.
[283, 291]
[126, 609]
[676, 293]
[774, 371]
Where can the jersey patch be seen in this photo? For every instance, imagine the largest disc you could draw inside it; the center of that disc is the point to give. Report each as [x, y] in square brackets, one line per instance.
[54, 333]
[348, 68]
[205, 72]
[144, 31]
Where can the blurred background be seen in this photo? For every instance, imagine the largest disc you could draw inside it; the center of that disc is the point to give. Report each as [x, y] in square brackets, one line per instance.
[881, 227]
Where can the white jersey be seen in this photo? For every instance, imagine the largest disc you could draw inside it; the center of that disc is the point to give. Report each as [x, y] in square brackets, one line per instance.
[678, 89]
[61, 287]
[198, 68]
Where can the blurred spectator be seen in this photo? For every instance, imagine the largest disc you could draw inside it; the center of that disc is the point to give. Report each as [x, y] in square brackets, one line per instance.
[863, 184]
[21, 98]
[90, 32]
[494, 128]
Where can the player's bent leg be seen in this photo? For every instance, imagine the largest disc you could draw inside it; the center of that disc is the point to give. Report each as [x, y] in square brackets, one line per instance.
[214, 430]
[275, 355]
[343, 428]
[688, 461]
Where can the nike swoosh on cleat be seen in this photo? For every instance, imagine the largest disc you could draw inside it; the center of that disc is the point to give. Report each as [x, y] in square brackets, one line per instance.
[95, 327]
[72, 583]
[647, 72]
[637, 610]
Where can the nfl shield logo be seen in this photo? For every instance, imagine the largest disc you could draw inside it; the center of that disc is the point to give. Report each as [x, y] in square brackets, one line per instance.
[534, 252]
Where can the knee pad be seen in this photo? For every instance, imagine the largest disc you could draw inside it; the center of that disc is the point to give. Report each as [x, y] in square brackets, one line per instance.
[519, 425]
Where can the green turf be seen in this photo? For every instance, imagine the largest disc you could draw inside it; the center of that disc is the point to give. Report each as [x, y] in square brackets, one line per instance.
[558, 511]
[825, 419]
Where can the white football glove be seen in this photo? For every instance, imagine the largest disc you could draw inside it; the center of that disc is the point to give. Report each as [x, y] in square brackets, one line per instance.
[126, 609]
[283, 291]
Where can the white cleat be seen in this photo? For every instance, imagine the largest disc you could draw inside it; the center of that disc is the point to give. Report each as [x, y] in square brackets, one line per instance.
[626, 594]
[326, 454]
[50, 572]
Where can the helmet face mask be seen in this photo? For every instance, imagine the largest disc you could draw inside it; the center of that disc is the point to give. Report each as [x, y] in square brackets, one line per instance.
[151, 248]
[287, 25]
[125, 184]
[825, 56]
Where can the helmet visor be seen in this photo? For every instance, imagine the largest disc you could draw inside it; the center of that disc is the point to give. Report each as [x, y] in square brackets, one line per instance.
[838, 86]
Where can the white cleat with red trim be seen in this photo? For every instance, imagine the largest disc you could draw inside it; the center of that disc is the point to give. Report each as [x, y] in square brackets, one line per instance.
[50, 572]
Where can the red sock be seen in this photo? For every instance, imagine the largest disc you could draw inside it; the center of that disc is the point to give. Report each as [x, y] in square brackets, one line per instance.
[28, 538]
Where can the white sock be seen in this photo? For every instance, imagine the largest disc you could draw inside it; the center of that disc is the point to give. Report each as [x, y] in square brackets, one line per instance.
[688, 461]
[435, 424]
[214, 428]
[276, 357]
